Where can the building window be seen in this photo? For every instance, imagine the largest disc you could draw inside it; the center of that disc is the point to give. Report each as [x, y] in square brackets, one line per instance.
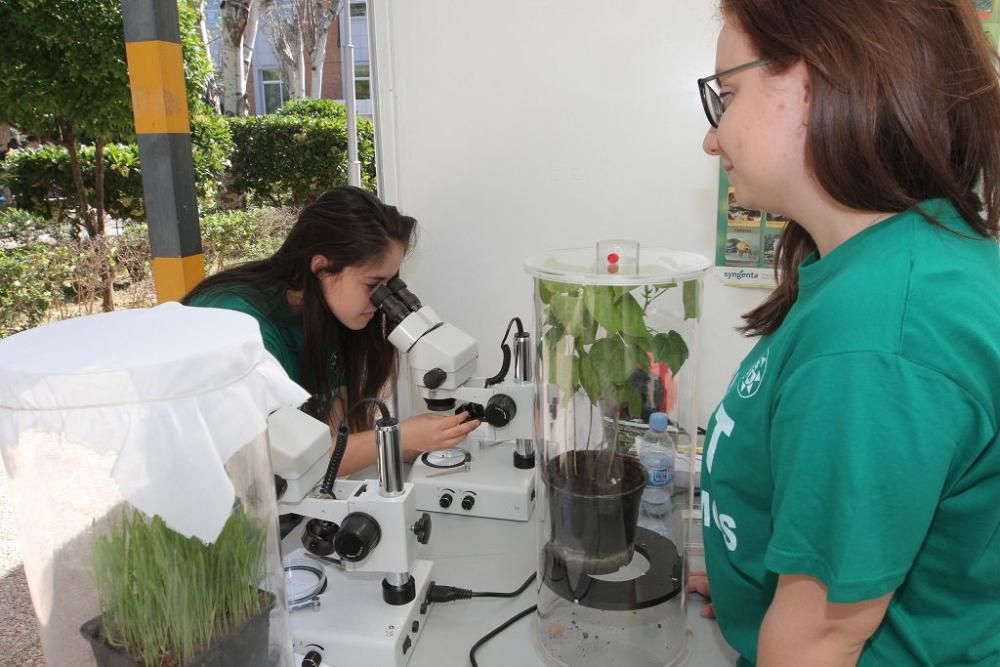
[362, 81]
[275, 91]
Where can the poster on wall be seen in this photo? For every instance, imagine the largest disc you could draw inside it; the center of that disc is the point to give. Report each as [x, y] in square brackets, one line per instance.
[989, 12]
[746, 239]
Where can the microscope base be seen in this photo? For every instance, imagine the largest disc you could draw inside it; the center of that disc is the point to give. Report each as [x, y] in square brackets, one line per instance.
[353, 627]
[498, 489]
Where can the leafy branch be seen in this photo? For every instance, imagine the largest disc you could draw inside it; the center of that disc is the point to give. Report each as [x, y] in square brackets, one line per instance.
[597, 339]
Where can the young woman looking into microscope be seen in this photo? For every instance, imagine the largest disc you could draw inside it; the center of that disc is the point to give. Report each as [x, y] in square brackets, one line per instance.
[312, 299]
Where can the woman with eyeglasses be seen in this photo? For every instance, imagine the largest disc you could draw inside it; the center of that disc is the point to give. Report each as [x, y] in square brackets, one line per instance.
[312, 299]
[851, 477]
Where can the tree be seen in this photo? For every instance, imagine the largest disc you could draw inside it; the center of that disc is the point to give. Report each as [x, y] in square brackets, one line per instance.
[239, 21]
[299, 31]
[65, 75]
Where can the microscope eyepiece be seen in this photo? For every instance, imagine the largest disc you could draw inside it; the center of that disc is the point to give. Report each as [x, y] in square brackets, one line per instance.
[394, 309]
[403, 293]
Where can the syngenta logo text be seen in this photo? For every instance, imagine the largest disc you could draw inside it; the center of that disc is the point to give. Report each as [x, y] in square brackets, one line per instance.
[754, 377]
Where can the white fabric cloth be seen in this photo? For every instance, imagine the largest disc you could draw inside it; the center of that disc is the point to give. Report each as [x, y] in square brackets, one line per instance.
[173, 391]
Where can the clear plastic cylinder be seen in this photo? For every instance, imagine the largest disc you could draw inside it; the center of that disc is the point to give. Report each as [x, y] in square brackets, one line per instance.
[138, 467]
[617, 341]
[64, 498]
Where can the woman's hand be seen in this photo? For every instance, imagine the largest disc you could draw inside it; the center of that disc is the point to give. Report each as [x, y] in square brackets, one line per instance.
[698, 583]
[427, 432]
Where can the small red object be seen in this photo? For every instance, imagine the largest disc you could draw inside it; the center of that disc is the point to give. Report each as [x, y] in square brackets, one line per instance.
[613, 258]
[612, 268]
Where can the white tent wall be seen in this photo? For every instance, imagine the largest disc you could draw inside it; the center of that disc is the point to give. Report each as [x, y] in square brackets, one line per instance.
[508, 128]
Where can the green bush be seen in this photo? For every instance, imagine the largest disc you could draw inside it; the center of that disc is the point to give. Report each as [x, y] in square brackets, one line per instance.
[234, 237]
[289, 159]
[32, 278]
[20, 227]
[306, 107]
[211, 146]
[41, 180]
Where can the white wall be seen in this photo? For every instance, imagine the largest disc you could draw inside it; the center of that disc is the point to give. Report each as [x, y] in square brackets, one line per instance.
[511, 127]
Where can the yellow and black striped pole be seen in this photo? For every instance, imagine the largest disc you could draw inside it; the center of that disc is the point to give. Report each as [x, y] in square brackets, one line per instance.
[159, 104]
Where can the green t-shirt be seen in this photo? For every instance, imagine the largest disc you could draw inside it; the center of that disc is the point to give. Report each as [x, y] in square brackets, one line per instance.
[858, 444]
[281, 331]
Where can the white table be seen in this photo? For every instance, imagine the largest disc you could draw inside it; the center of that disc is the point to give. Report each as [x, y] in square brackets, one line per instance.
[492, 555]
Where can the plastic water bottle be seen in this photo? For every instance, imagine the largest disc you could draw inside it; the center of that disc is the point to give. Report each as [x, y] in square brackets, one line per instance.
[657, 452]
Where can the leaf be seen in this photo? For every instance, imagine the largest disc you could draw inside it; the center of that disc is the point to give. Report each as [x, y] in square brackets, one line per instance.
[644, 343]
[634, 399]
[600, 301]
[589, 379]
[670, 349]
[692, 299]
[569, 313]
[548, 288]
[633, 319]
[609, 361]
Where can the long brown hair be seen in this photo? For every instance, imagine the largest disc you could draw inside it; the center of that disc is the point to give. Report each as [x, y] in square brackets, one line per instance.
[905, 106]
[350, 227]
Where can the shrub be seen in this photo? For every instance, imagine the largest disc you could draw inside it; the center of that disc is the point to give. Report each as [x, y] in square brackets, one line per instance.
[234, 237]
[211, 146]
[19, 227]
[41, 180]
[307, 107]
[32, 278]
[289, 159]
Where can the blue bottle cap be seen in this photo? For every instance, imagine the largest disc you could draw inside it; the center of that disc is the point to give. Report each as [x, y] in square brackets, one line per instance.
[658, 421]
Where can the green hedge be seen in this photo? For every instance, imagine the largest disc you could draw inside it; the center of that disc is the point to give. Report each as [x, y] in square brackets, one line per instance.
[32, 278]
[290, 158]
[41, 180]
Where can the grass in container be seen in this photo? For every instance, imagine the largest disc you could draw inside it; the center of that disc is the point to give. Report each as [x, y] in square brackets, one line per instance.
[169, 600]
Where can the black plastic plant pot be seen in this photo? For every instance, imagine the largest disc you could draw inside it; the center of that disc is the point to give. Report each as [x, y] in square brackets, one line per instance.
[594, 499]
[246, 646]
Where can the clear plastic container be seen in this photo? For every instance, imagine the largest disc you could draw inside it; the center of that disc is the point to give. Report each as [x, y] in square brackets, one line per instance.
[618, 332]
[139, 472]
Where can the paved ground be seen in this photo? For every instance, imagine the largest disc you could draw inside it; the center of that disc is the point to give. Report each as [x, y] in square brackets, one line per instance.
[19, 645]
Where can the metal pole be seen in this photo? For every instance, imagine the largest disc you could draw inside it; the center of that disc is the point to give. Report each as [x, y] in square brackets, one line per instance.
[347, 75]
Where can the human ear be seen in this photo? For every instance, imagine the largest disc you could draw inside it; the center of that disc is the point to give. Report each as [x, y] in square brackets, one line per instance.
[318, 264]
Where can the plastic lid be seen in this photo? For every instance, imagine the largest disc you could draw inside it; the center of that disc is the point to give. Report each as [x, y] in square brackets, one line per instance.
[658, 421]
[656, 265]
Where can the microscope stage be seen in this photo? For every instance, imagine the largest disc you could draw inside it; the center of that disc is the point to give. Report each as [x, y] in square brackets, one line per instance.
[485, 483]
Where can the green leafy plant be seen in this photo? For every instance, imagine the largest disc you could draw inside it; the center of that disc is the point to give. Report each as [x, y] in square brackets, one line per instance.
[233, 237]
[165, 598]
[597, 340]
[286, 159]
[32, 279]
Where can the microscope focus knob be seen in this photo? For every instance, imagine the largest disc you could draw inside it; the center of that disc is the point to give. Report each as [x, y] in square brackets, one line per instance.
[445, 500]
[500, 410]
[422, 528]
[359, 533]
[434, 378]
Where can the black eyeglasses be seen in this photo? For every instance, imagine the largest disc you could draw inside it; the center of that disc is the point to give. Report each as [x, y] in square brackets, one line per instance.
[711, 99]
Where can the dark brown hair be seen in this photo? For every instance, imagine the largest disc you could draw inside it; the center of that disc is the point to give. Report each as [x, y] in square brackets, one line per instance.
[350, 227]
[905, 106]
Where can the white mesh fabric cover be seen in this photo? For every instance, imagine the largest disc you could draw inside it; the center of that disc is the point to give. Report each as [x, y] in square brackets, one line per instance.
[140, 406]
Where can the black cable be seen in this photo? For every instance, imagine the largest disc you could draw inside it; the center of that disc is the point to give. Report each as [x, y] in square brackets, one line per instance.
[497, 630]
[505, 349]
[452, 593]
[340, 446]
